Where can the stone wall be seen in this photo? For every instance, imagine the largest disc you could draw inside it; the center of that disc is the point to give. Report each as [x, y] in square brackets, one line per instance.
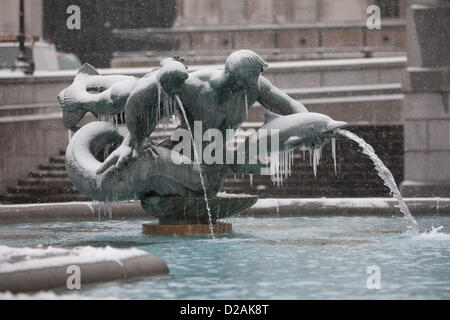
[266, 12]
[27, 142]
[244, 12]
[426, 84]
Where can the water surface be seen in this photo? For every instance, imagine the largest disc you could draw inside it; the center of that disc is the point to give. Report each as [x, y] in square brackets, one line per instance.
[268, 258]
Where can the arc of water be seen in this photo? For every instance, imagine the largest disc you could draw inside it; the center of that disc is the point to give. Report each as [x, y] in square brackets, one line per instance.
[385, 174]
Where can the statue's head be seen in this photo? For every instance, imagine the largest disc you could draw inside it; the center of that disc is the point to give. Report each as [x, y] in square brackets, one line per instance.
[243, 67]
[174, 58]
[172, 75]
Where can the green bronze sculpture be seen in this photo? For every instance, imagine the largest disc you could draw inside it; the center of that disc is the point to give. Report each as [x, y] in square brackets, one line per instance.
[169, 182]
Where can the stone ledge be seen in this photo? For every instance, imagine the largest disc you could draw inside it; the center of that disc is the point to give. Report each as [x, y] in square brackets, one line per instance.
[70, 211]
[224, 28]
[54, 277]
[346, 207]
[425, 189]
[263, 207]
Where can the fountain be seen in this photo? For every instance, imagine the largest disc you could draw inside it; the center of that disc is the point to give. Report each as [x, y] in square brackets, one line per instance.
[176, 186]
[299, 248]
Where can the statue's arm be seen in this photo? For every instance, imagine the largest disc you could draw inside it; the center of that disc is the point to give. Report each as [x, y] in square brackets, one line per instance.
[139, 123]
[275, 100]
[139, 116]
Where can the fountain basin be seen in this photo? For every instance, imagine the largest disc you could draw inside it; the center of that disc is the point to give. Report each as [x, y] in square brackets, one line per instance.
[310, 257]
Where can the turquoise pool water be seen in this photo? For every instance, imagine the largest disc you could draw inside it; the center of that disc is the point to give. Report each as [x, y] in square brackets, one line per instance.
[268, 258]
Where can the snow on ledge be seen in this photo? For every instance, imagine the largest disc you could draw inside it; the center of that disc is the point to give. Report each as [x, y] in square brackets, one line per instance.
[340, 202]
[26, 258]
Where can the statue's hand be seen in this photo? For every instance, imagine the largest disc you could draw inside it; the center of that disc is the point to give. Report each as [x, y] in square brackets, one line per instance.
[118, 157]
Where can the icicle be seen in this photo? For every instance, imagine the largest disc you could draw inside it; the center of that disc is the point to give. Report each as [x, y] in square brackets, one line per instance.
[315, 163]
[159, 101]
[333, 151]
[286, 164]
[310, 156]
[292, 160]
[98, 181]
[235, 177]
[251, 180]
[246, 106]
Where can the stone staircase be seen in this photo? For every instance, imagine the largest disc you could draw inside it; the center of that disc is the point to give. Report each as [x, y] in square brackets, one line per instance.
[47, 184]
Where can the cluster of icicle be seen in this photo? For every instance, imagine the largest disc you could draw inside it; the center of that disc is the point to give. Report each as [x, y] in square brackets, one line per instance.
[281, 166]
[281, 163]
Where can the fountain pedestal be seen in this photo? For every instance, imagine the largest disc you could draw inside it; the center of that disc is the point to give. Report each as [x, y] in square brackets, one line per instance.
[185, 229]
[190, 216]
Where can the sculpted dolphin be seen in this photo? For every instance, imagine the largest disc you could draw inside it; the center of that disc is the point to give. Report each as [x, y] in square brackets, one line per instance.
[300, 128]
[308, 129]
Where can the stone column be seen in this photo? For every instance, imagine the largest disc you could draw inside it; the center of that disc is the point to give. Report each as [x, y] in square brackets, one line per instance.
[305, 11]
[259, 11]
[426, 85]
[232, 12]
[197, 13]
[342, 10]
[9, 18]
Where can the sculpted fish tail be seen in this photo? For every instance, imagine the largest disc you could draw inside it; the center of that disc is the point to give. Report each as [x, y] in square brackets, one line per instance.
[70, 98]
[87, 69]
[72, 110]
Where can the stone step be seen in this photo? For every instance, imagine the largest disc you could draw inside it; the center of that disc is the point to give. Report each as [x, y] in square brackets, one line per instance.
[48, 174]
[57, 182]
[344, 91]
[152, 58]
[29, 109]
[43, 189]
[33, 198]
[58, 159]
[317, 73]
[52, 167]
